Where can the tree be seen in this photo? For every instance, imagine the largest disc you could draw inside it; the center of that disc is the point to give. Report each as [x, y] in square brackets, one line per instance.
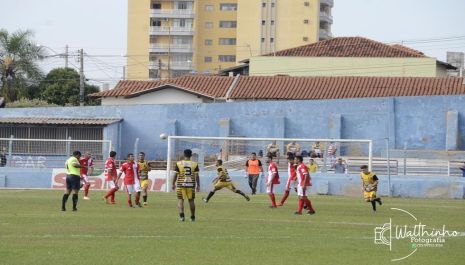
[18, 63]
[61, 87]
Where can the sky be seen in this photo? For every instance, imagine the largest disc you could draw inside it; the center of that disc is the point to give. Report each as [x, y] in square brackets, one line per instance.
[100, 28]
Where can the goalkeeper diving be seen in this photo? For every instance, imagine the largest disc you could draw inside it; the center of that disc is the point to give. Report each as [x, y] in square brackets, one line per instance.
[223, 181]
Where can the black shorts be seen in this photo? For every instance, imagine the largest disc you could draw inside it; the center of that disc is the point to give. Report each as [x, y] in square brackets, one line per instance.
[73, 182]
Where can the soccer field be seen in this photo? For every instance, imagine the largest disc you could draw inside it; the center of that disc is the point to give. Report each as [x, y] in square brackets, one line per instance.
[228, 230]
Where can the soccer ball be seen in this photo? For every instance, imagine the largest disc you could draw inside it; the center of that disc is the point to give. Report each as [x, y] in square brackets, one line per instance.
[163, 136]
[369, 187]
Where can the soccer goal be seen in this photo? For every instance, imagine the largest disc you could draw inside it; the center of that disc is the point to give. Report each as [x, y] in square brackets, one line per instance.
[236, 151]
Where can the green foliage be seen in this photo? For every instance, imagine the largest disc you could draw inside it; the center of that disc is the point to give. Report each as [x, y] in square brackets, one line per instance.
[29, 103]
[61, 87]
[18, 63]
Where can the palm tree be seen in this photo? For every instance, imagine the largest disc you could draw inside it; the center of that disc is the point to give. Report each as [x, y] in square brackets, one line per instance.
[18, 63]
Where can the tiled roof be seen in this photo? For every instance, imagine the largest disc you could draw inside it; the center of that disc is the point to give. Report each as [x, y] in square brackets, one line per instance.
[58, 121]
[209, 86]
[287, 87]
[349, 47]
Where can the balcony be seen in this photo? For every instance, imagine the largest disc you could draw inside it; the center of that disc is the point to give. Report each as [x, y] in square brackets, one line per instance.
[325, 34]
[327, 2]
[174, 65]
[172, 13]
[173, 48]
[165, 31]
[325, 17]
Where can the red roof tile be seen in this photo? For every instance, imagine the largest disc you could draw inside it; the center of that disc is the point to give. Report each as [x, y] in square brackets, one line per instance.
[209, 86]
[349, 47]
[287, 87]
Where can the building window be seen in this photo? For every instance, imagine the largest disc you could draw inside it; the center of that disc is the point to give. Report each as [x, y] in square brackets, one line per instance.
[208, 25]
[228, 24]
[272, 22]
[182, 5]
[207, 59]
[272, 5]
[228, 7]
[263, 4]
[156, 23]
[227, 41]
[271, 40]
[156, 5]
[227, 58]
[305, 38]
[306, 21]
[263, 22]
[306, 3]
[208, 42]
[209, 8]
[263, 40]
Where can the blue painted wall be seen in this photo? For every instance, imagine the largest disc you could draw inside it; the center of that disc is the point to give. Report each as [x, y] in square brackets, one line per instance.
[418, 121]
[326, 184]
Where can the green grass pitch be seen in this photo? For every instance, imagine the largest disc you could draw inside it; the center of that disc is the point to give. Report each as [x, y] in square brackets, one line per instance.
[228, 230]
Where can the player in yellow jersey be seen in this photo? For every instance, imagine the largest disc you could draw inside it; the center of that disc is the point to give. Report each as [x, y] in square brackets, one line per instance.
[144, 169]
[369, 186]
[223, 181]
[186, 182]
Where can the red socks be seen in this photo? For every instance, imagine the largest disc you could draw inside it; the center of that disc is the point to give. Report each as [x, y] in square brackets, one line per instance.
[309, 205]
[301, 205]
[86, 189]
[286, 194]
[273, 199]
[111, 194]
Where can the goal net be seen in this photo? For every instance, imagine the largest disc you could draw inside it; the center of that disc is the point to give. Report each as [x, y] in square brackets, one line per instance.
[235, 151]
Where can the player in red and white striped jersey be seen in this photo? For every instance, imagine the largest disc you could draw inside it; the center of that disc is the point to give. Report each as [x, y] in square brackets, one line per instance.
[304, 181]
[130, 170]
[291, 178]
[111, 178]
[87, 166]
[271, 179]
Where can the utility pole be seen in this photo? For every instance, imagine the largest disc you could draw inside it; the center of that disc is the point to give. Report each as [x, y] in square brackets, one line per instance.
[159, 69]
[169, 50]
[81, 79]
[66, 56]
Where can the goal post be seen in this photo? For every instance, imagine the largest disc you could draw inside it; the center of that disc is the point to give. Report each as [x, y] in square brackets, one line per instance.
[235, 151]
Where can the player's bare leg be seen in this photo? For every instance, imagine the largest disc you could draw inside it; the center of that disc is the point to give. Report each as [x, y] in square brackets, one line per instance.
[233, 189]
[181, 210]
[144, 195]
[192, 208]
[138, 199]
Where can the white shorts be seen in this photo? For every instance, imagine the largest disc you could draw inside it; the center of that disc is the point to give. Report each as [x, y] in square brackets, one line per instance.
[289, 182]
[111, 184]
[131, 188]
[269, 189]
[84, 178]
[301, 191]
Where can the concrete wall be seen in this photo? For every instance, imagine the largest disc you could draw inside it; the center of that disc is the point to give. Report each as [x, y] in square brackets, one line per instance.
[330, 66]
[165, 96]
[324, 184]
[418, 122]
